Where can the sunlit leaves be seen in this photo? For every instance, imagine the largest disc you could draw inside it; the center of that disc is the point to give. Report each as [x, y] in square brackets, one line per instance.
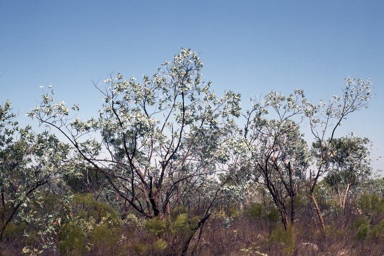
[348, 160]
[150, 130]
[325, 117]
[29, 164]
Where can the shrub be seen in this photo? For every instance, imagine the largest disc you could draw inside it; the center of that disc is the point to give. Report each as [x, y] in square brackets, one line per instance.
[378, 230]
[255, 211]
[156, 226]
[286, 237]
[181, 225]
[72, 239]
[362, 231]
[89, 226]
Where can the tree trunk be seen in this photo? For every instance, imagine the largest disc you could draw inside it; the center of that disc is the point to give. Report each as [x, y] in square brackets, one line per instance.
[346, 197]
[318, 211]
[284, 217]
[199, 225]
[2, 232]
[293, 210]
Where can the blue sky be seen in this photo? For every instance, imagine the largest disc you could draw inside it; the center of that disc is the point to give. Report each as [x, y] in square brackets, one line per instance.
[251, 47]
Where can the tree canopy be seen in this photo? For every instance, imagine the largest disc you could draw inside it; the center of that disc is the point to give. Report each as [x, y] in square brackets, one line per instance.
[167, 150]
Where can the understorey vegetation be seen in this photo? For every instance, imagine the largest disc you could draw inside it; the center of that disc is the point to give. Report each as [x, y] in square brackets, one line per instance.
[169, 168]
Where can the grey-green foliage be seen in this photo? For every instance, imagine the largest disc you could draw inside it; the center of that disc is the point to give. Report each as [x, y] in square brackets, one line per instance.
[348, 165]
[156, 134]
[273, 133]
[374, 185]
[371, 205]
[279, 153]
[29, 165]
[348, 160]
[324, 120]
[276, 148]
[326, 117]
[88, 225]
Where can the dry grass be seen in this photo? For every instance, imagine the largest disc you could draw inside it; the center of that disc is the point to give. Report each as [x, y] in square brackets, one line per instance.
[246, 233]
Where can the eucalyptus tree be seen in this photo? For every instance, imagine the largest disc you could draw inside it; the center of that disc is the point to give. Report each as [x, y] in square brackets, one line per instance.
[152, 136]
[277, 150]
[348, 165]
[324, 120]
[29, 163]
[277, 147]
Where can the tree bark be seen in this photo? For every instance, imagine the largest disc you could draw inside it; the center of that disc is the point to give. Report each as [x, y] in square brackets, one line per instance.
[293, 210]
[199, 225]
[318, 211]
